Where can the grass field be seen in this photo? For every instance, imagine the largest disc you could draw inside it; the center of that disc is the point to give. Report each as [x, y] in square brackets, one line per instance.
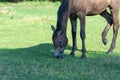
[26, 49]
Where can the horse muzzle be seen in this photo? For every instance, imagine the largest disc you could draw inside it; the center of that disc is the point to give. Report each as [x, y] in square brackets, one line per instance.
[59, 52]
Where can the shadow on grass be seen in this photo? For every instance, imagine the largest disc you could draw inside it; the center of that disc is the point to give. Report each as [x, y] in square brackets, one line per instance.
[39, 51]
[42, 51]
[40, 58]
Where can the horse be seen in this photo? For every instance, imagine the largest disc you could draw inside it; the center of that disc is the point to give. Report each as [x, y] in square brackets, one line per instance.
[74, 9]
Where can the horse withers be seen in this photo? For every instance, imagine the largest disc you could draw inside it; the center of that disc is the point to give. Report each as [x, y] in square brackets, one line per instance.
[74, 9]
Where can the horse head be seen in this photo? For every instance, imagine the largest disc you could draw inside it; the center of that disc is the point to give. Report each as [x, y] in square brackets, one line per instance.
[60, 42]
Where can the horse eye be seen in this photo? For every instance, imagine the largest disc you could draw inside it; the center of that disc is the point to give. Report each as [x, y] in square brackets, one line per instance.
[61, 33]
[60, 42]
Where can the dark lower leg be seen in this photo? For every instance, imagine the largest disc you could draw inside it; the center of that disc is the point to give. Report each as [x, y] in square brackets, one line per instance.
[104, 34]
[74, 44]
[109, 20]
[74, 25]
[83, 35]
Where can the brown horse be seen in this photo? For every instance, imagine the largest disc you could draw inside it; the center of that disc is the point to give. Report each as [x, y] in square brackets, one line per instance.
[79, 9]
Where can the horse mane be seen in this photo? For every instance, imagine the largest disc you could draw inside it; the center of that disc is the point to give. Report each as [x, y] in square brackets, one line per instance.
[61, 18]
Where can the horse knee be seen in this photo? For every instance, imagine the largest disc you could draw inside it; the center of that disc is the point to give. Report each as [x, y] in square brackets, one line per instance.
[115, 29]
[82, 35]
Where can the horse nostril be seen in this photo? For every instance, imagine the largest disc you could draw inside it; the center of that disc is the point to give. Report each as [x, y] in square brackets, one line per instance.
[57, 56]
[59, 42]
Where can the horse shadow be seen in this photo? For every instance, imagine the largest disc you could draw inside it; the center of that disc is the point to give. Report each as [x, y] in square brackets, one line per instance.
[38, 51]
[45, 50]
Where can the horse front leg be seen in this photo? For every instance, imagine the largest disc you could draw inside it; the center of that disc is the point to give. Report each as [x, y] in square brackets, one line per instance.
[109, 20]
[73, 20]
[115, 28]
[83, 35]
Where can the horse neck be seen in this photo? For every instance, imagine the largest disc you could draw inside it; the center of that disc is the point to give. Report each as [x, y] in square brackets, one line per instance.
[62, 18]
[62, 23]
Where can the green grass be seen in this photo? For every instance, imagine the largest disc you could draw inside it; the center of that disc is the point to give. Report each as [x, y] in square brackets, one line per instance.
[26, 49]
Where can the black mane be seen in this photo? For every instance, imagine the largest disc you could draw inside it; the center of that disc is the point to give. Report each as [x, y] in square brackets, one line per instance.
[60, 15]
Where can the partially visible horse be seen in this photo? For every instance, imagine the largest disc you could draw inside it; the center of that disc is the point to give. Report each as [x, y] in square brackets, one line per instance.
[79, 9]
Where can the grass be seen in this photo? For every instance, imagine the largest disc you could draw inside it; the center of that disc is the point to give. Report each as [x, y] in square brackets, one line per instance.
[26, 49]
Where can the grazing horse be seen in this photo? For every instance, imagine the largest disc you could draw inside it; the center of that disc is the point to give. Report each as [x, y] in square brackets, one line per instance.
[74, 9]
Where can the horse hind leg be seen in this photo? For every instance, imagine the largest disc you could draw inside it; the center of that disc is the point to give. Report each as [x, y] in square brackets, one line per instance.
[115, 28]
[109, 20]
[73, 20]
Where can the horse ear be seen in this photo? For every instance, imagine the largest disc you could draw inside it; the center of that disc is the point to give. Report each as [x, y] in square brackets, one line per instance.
[53, 28]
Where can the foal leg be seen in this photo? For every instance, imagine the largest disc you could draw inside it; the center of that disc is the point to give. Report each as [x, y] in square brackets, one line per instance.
[83, 35]
[115, 28]
[73, 20]
[109, 20]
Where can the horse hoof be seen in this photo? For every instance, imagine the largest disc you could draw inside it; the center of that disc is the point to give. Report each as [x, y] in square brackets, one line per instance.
[83, 57]
[109, 52]
[105, 41]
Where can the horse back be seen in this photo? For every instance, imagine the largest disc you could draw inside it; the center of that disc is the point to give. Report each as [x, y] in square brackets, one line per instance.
[88, 6]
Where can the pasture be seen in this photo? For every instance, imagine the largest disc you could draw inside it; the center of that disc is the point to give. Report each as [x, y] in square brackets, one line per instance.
[26, 49]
